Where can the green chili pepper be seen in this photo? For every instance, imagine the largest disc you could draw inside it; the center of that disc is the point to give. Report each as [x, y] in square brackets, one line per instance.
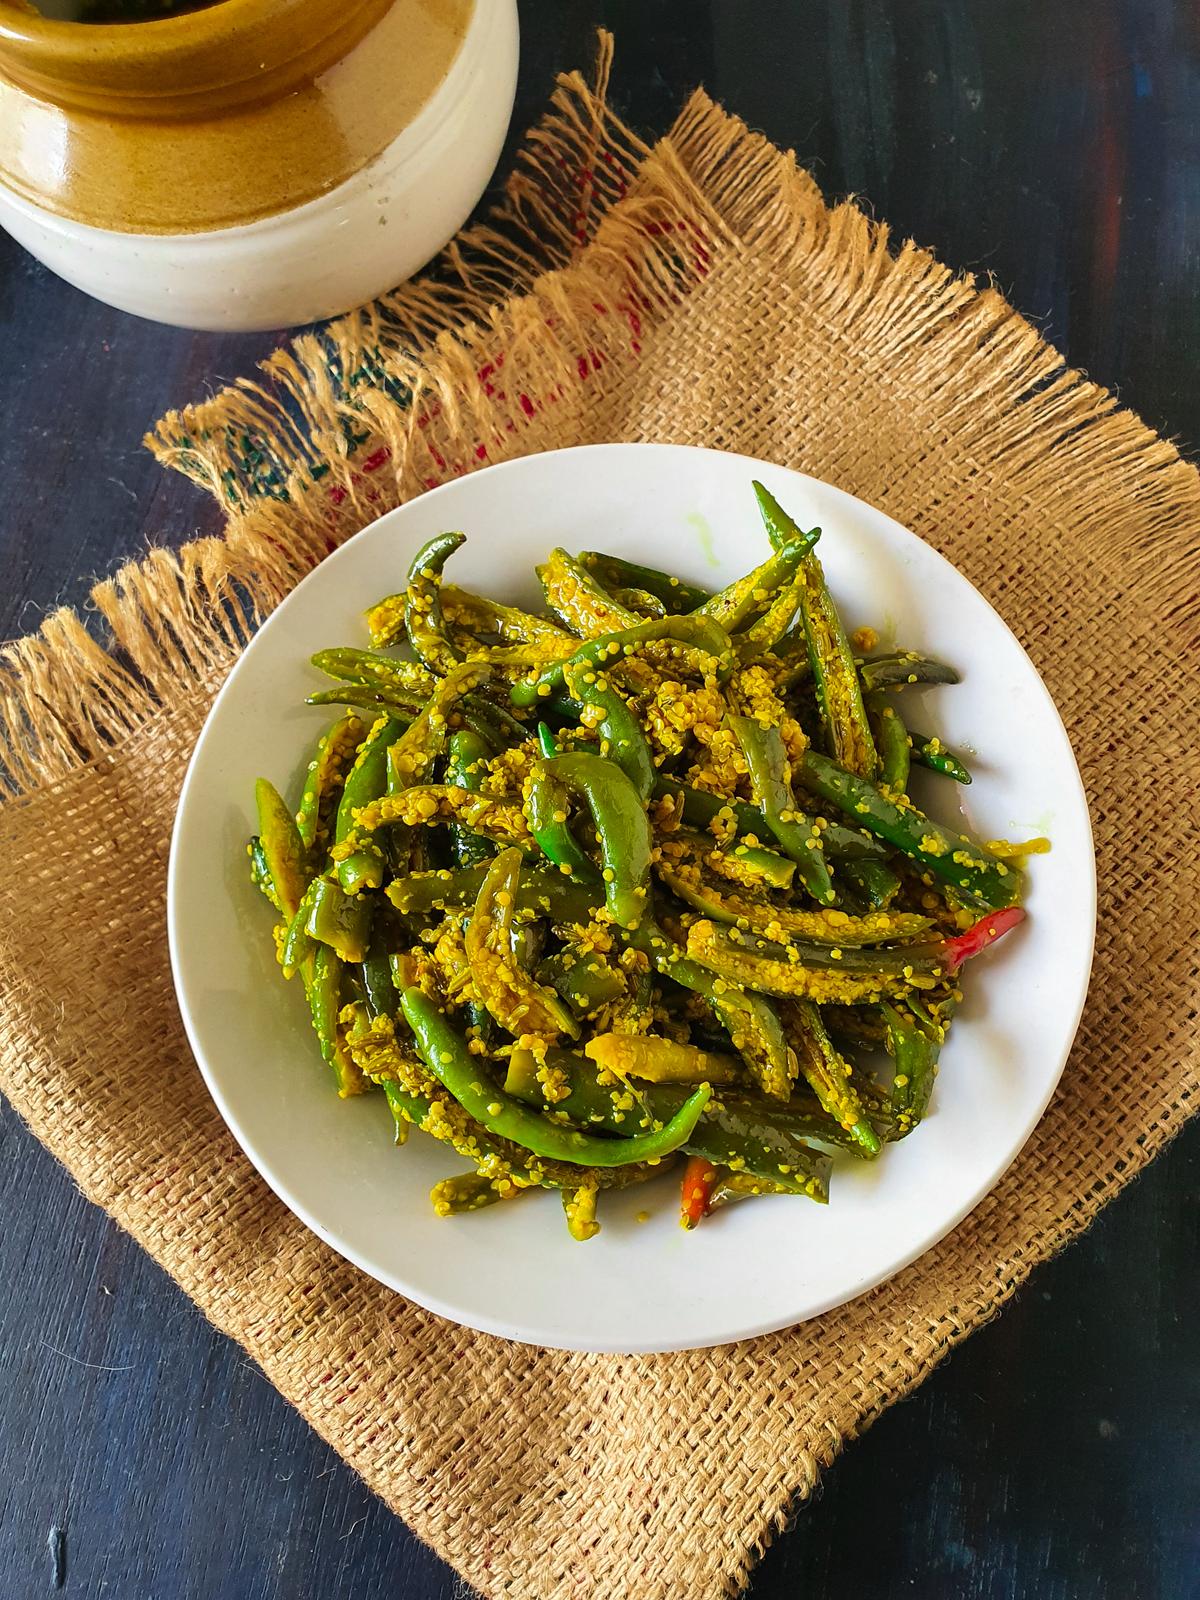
[383, 702]
[751, 1134]
[621, 736]
[260, 873]
[938, 757]
[541, 892]
[786, 922]
[466, 761]
[767, 866]
[579, 1207]
[730, 1187]
[586, 982]
[835, 677]
[546, 803]
[736, 604]
[622, 828]
[417, 1097]
[812, 972]
[365, 782]
[872, 881]
[641, 602]
[652, 1059]
[782, 529]
[444, 1052]
[828, 1075]
[527, 940]
[796, 832]
[842, 844]
[750, 1020]
[298, 948]
[325, 1000]
[774, 625]
[758, 1035]
[914, 1047]
[739, 862]
[466, 1191]
[423, 620]
[615, 572]
[324, 779]
[511, 996]
[927, 958]
[428, 805]
[419, 745]
[385, 620]
[491, 722]
[382, 995]
[577, 600]
[630, 1011]
[483, 616]
[696, 632]
[902, 668]
[950, 857]
[281, 847]
[862, 1026]
[340, 920]
[408, 679]
[700, 808]
[893, 744]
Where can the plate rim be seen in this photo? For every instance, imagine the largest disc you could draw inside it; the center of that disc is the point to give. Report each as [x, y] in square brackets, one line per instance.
[498, 1327]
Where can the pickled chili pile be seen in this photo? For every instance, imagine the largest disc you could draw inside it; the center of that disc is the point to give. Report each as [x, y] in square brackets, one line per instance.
[632, 881]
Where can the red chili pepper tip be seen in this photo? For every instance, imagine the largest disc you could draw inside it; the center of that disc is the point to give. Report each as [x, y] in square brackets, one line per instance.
[699, 1180]
[982, 934]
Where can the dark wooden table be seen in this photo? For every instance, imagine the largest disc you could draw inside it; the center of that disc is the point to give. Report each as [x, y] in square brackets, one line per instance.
[1054, 146]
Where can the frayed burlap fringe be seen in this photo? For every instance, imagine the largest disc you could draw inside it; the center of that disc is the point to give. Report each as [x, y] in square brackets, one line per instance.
[699, 291]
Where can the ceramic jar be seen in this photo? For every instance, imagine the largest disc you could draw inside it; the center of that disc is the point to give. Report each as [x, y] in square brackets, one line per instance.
[253, 163]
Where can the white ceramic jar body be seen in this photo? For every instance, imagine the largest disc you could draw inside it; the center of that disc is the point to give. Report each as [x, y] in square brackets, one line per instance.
[336, 251]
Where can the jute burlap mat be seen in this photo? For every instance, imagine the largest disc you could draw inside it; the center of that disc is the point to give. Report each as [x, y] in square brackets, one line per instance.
[702, 292]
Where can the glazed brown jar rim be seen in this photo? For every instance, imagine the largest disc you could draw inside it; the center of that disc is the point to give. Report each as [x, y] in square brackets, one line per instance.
[225, 55]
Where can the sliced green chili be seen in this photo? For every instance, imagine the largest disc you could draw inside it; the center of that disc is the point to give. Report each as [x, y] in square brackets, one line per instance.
[622, 828]
[938, 757]
[750, 1134]
[734, 606]
[444, 1051]
[423, 620]
[616, 572]
[325, 1000]
[893, 745]
[324, 779]
[697, 633]
[621, 736]
[466, 763]
[796, 832]
[366, 782]
[902, 668]
[340, 920]
[950, 857]
[835, 677]
[828, 1075]
[577, 600]
[547, 811]
[282, 848]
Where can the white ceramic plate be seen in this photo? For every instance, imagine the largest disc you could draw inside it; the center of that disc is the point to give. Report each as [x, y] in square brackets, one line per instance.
[512, 1269]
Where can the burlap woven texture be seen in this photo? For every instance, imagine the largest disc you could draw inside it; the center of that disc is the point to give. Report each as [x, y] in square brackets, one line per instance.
[698, 292]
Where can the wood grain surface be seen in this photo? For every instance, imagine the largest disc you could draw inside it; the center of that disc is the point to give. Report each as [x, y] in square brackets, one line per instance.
[1054, 146]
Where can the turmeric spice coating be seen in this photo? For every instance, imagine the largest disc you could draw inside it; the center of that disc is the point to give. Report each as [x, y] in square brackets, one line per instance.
[631, 882]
